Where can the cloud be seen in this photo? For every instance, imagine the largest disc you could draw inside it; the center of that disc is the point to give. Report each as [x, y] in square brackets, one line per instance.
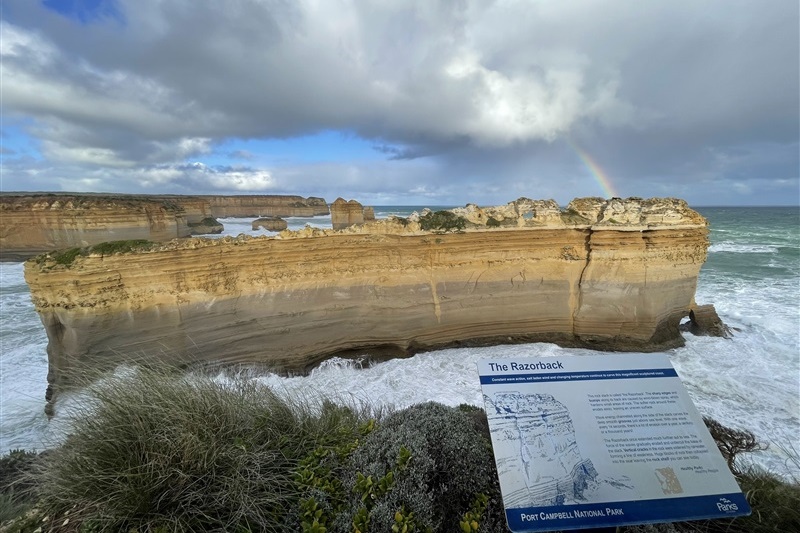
[657, 92]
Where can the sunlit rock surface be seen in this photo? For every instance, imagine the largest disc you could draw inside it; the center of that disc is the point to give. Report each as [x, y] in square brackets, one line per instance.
[580, 277]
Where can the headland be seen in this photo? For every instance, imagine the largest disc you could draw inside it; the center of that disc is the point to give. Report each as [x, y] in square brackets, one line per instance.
[604, 274]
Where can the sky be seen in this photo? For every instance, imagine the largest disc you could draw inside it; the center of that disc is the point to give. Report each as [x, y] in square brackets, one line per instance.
[404, 102]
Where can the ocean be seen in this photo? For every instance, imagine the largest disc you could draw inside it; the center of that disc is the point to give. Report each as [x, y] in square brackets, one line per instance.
[750, 381]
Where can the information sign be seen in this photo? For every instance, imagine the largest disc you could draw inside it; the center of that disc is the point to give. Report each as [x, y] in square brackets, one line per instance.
[601, 441]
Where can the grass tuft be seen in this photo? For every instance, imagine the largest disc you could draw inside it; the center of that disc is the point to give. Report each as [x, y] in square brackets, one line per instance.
[184, 454]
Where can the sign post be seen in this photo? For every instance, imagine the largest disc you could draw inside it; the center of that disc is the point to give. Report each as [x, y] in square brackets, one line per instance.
[602, 441]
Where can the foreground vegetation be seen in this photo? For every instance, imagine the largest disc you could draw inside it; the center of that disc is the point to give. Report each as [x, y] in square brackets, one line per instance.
[160, 453]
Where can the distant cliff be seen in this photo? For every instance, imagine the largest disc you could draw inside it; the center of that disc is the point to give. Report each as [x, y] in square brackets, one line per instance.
[32, 223]
[615, 275]
[266, 206]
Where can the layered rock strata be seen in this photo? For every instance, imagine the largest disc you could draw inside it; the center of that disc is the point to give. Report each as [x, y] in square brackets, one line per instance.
[266, 205]
[382, 288]
[346, 213]
[32, 223]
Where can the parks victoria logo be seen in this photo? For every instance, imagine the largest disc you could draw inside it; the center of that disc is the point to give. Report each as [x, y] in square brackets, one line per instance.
[727, 506]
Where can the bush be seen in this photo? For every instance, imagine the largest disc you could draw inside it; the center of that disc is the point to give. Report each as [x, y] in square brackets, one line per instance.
[492, 222]
[442, 221]
[159, 452]
[121, 247]
[66, 257]
[447, 465]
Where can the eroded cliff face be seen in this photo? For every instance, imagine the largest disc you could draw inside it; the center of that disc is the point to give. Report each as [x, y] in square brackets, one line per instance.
[32, 224]
[270, 205]
[38, 222]
[384, 287]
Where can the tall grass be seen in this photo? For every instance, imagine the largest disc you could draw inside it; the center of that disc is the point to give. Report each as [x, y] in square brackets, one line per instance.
[158, 452]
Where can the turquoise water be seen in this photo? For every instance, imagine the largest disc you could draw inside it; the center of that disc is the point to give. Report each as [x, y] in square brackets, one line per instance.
[751, 381]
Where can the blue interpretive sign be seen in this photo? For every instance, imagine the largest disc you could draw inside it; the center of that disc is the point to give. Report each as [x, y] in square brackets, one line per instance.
[601, 441]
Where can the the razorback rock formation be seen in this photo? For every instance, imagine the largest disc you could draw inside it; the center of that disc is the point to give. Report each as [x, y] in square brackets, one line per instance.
[32, 223]
[581, 277]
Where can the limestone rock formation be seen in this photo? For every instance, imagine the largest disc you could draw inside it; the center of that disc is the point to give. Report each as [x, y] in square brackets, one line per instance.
[384, 287]
[345, 214]
[206, 226]
[247, 206]
[33, 223]
[704, 321]
[270, 224]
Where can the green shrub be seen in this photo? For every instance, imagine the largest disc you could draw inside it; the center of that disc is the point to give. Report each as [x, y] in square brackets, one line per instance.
[442, 221]
[571, 216]
[185, 454]
[66, 257]
[121, 247]
[492, 222]
[448, 466]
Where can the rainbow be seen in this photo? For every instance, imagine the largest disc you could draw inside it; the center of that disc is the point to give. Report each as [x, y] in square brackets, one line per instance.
[597, 173]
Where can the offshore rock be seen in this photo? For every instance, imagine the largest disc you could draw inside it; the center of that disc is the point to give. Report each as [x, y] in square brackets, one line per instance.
[206, 226]
[383, 288]
[704, 321]
[270, 224]
[347, 213]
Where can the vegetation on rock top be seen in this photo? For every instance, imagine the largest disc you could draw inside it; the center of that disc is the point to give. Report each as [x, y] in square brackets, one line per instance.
[442, 222]
[68, 256]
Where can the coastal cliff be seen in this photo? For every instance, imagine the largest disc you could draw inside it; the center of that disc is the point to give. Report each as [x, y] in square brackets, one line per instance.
[268, 205]
[32, 223]
[618, 277]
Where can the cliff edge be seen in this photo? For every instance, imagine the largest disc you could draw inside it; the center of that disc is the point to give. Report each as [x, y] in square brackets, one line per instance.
[32, 223]
[614, 275]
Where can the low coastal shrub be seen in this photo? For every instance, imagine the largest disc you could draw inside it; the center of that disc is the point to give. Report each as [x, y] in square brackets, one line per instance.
[425, 467]
[158, 452]
[153, 451]
[571, 216]
[68, 256]
[120, 247]
[492, 222]
[442, 222]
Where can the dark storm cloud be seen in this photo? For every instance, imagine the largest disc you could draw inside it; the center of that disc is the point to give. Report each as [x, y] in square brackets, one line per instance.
[663, 95]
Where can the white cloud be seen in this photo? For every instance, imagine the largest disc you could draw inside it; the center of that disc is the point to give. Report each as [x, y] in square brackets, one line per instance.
[486, 88]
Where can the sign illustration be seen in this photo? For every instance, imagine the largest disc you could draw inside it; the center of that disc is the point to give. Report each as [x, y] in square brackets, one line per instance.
[601, 440]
